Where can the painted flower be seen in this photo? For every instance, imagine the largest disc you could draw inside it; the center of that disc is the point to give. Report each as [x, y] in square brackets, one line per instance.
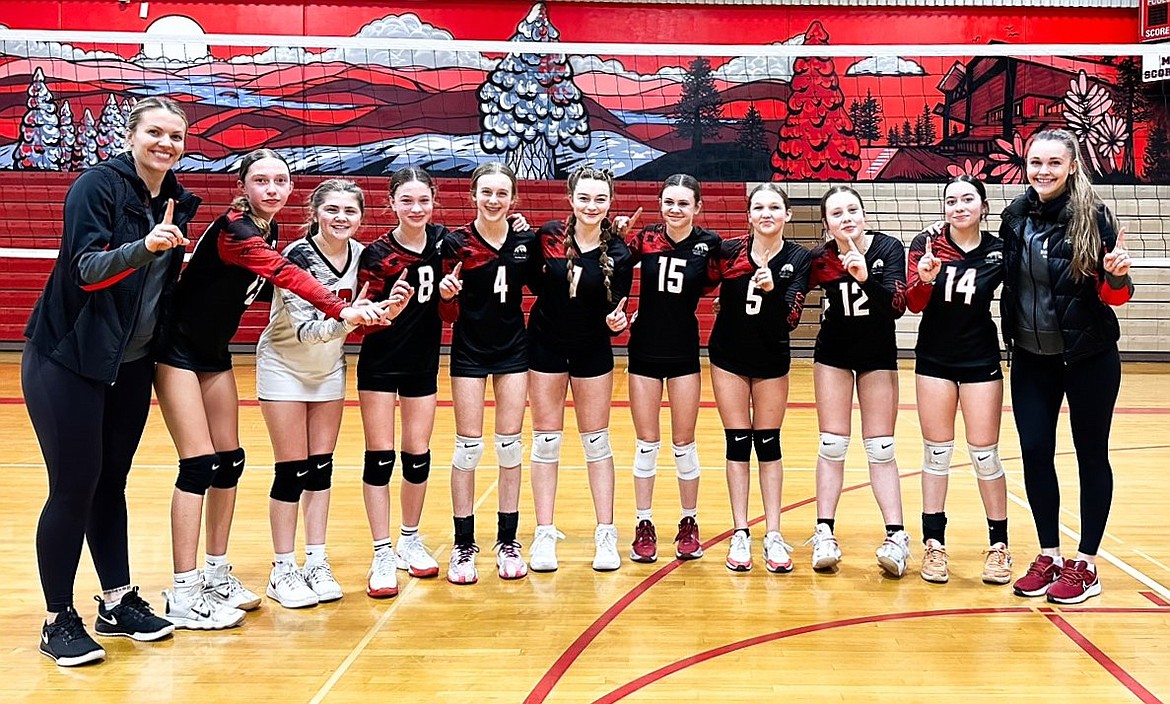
[1009, 159]
[1085, 104]
[977, 168]
[1109, 135]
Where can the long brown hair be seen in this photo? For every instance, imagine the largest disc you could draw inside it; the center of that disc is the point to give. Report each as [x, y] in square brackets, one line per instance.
[607, 233]
[240, 203]
[1084, 236]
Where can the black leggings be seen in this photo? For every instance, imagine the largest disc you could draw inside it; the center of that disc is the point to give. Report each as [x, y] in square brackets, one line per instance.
[88, 432]
[1039, 383]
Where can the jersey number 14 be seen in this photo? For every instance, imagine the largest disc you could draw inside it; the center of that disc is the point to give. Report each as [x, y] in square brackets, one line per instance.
[965, 285]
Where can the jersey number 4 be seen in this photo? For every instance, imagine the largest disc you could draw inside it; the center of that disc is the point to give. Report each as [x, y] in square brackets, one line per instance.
[500, 285]
[670, 275]
[965, 285]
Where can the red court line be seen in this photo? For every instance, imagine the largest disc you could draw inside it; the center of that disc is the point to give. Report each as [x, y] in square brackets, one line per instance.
[1127, 680]
[807, 405]
[1155, 598]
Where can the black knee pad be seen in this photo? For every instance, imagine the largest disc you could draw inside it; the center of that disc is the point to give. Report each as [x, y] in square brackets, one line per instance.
[416, 468]
[767, 445]
[739, 445]
[231, 466]
[320, 472]
[288, 481]
[196, 473]
[378, 466]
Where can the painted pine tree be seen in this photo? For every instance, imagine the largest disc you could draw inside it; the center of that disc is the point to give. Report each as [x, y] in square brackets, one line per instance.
[752, 135]
[111, 129]
[38, 145]
[85, 149]
[68, 137]
[867, 118]
[698, 112]
[529, 105]
[816, 141]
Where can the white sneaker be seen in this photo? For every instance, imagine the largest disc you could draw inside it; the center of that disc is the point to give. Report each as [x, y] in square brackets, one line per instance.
[605, 552]
[826, 553]
[382, 579]
[776, 557]
[287, 585]
[509, 562]
[321, 581]
[739, 555]
[893, 553]
[461, 569]
[228, 589]
[542, 554]
[414, 558]
[198, 610]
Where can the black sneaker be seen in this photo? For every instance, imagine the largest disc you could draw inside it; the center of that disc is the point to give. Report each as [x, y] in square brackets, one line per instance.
[131, 618]
[66, 641]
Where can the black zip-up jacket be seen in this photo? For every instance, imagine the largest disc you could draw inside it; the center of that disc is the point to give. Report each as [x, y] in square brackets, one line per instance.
[86, 314]
[1087, 323]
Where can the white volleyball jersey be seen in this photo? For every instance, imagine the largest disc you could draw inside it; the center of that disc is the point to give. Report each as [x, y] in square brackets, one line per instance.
[299, 356]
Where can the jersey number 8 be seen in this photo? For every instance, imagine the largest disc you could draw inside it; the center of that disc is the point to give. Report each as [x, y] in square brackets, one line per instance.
[426, 283]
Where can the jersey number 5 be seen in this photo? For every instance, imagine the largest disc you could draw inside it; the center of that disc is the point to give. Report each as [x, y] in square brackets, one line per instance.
[670, 275]
[965, 285]
[754, 301]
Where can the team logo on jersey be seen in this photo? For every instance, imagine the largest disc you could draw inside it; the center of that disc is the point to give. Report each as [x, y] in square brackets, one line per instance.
[700, 250]
[994, 257]
[786, 271]
[520, 254]
[878, 266]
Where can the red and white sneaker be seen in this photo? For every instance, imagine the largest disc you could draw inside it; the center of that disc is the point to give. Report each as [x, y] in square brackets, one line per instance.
[739, 553]
[688, 545]
[1076, 584]
[382, 579]
[461, 569]
[645, 546]
[776, 557]
[510, 563]
[1041, 574]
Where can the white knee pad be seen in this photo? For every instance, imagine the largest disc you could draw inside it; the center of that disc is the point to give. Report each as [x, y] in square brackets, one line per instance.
[646, 459]
[936, 458]
[546, 446]
[596, 445]
[986, 462]
[468, 452]
[833, 447]
[509, 450]
[880, 450]
[686, 461]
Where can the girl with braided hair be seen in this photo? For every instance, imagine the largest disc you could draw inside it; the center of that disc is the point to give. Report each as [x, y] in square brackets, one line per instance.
[581, 277]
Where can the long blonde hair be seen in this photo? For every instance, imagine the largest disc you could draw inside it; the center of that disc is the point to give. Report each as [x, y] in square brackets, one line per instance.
[1084, 236]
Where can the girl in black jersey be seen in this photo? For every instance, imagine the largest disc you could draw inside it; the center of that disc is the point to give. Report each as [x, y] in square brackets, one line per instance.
[489, 260]
[399, 366]
[764, 282]
[863, 276]
[581, 295]
[197, 389]
[953, 274]
[86, 372]
[664, 345]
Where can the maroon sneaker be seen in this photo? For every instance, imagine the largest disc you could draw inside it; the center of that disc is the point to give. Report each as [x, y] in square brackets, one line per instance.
[687, 540]
[1041, 575]
[645, 547]
[1076, 584]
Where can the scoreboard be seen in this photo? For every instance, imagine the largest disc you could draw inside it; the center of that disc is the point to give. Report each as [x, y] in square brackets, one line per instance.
[1155, 23]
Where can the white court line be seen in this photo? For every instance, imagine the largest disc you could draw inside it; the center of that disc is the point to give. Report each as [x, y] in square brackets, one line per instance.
[373, 630]
[1109, 557]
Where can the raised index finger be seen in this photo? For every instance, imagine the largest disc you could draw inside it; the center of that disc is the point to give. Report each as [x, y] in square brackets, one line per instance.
[457, 269]
[169, 215]
[621, 304]
[633, 219]
[852, 245]
[928, 252]
[1120, 243]
[362, 293]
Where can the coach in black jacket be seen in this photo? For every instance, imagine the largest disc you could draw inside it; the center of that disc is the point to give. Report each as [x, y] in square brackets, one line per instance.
[87, 369]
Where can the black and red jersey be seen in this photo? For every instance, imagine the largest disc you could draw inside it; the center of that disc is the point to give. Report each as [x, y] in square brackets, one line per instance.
[228, 267]
[855, 315]
[957, 328]
[489, 323]
[674, 276]
[751, 332]
[411, 344]
[567, 311]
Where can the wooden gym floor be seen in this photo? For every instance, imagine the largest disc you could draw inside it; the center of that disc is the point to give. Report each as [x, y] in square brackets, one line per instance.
[661, 632]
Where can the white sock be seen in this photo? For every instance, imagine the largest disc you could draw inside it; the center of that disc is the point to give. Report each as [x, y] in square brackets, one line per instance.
[690, 512]
[113, 597]
[214, 561]
[407, 531]
[286, 559]
[647, 515]
[188, 581]
[314, 554]
[383, 544]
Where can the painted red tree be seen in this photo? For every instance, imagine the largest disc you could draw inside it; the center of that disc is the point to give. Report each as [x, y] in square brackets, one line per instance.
[817, 141]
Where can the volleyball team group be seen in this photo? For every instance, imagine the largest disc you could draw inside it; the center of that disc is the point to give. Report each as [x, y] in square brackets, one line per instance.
[120, 315]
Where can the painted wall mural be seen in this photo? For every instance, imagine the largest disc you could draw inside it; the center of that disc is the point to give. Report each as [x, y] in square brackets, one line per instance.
[350, 110]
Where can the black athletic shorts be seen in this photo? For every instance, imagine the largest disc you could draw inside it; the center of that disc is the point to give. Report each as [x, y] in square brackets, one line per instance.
[662, 369]
[960, 375]
[464, 364]
[582, 360]
[177, 350]
[405, 385]
[858, 360]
